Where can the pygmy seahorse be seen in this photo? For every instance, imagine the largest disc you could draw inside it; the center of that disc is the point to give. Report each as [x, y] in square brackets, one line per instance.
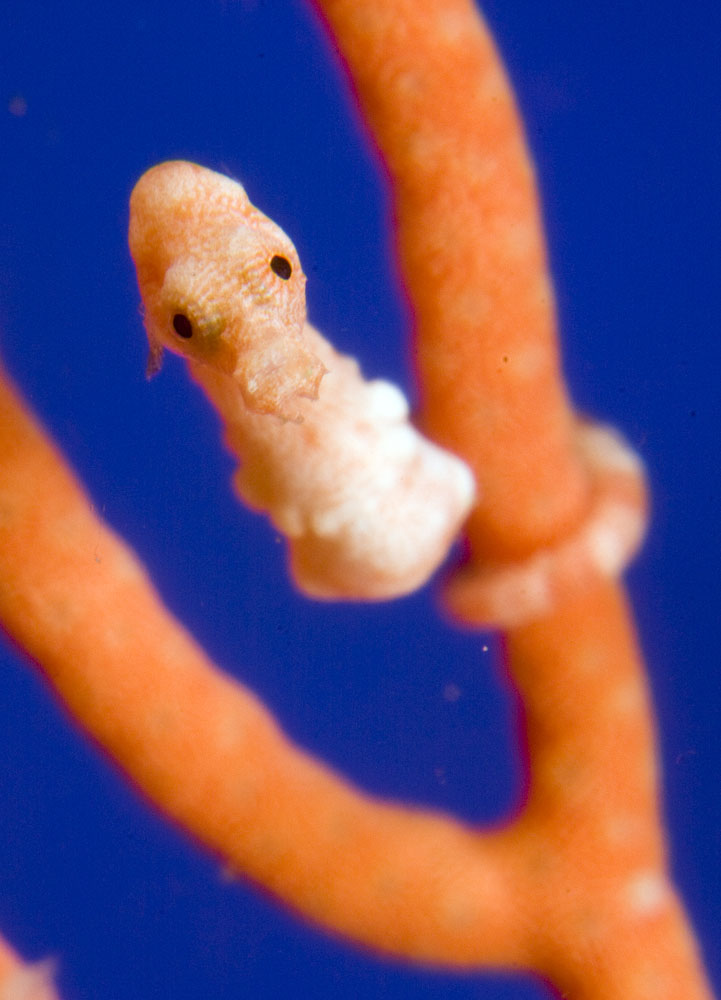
[369, 506]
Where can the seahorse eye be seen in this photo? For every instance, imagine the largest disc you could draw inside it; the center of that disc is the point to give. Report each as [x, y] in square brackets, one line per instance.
[182, 326]
[281, 267]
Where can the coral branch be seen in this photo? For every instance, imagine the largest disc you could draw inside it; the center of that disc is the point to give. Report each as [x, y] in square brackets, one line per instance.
[209, 755]
[24, 981]
[561, 507]
[440, 107]
[576, 887]
[512, 592]
[583, 861]
[594, 854]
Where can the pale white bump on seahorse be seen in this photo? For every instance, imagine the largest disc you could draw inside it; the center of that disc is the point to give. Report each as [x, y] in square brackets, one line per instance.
[368, 505]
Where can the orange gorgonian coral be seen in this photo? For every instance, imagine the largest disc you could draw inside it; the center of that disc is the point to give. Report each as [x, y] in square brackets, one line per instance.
[574, 887]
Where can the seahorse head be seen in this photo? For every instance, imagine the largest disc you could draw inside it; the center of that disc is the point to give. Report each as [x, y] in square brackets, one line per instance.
[221, 285]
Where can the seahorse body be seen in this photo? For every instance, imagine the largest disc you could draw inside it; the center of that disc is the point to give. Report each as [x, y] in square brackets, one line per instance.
[368, 505]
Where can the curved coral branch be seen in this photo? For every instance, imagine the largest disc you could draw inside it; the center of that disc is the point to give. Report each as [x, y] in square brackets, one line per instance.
[24, 980]
[576, 888]
[560, 509]
[441, 109]
[203, 748]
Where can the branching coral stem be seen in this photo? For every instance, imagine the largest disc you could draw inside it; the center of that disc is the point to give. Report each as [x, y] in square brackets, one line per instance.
[590, 838]
[436, 98]
[402, 880]
[576, 887]
[440, 108]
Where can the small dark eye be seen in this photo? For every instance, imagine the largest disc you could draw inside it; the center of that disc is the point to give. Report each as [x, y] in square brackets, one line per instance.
[182, 326]
[281, 266]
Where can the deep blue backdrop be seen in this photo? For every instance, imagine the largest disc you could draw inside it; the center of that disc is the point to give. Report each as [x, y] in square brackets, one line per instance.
[622, 117]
